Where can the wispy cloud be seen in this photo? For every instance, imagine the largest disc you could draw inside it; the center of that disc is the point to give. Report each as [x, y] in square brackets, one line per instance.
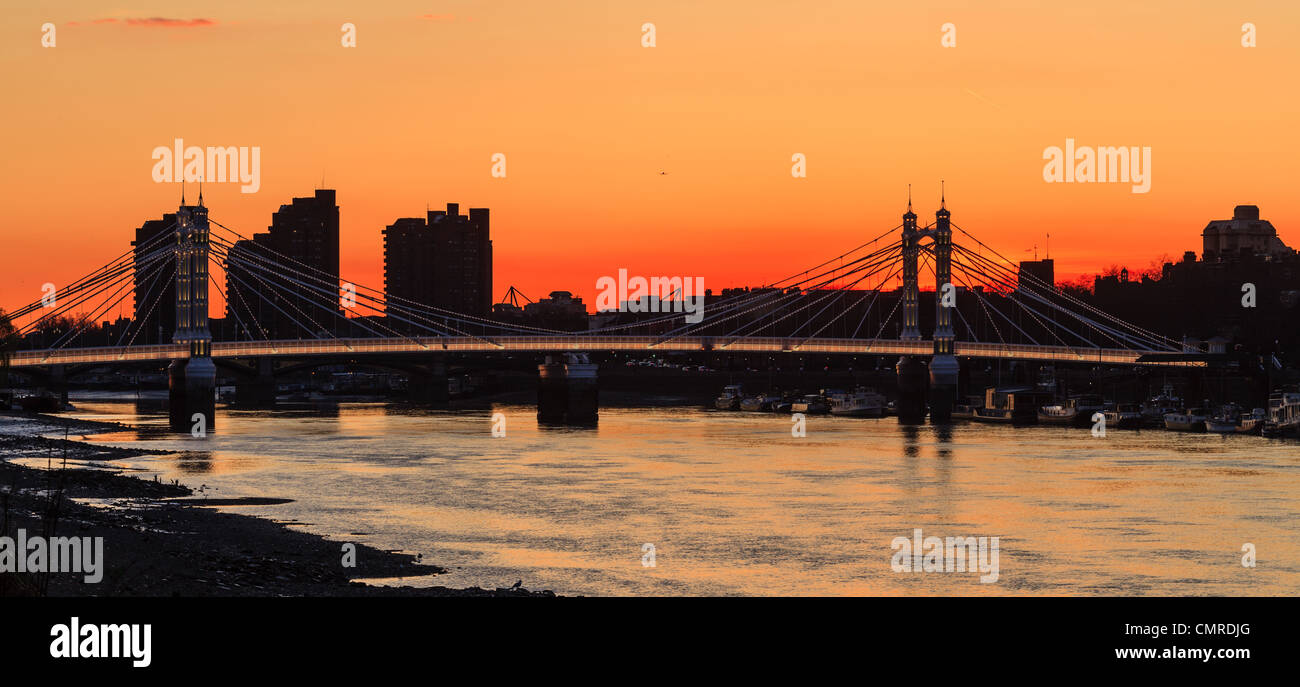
[164, 22]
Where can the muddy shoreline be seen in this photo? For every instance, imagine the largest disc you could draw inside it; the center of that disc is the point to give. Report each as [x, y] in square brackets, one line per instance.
[159, 540]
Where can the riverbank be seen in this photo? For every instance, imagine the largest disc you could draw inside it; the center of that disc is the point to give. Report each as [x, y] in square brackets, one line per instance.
[160, 539]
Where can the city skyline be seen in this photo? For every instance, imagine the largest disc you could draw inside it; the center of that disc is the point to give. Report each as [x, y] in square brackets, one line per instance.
[584, 195]
[413, 257]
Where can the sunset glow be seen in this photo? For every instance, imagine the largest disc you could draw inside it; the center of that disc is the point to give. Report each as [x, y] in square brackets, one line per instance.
[588, 120]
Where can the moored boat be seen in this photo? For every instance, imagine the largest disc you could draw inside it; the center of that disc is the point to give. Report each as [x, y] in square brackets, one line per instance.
[1015, 405]
[730, 397]
[1225, 420]
[1253, 423]
[812, 404]
[1160, 405]
[1191, 420]
[1123, 416]
[1074, 410]
[1058, 414]
[963, 411]
[759, 402]
[862, 402]
[1283, 416]
[1231, 420]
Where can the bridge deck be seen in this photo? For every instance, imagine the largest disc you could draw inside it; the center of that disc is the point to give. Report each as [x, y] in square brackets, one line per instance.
[578, 342]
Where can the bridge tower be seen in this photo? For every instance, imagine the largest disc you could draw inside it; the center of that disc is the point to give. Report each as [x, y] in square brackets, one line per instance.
[192, 382]
[910, 370]
[944, 369]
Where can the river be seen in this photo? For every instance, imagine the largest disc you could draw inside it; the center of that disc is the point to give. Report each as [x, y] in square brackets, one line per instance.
[732, 503]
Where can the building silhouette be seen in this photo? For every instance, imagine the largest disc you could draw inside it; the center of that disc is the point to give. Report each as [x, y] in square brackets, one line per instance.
[560, 310]
[1036, 272]
[304, 237]
[155, 288]
[1204, 302]
[443, 260]
[1245, 236]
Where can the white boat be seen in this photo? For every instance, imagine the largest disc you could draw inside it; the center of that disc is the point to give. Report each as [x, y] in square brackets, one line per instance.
[861, 403]
[1231, 420]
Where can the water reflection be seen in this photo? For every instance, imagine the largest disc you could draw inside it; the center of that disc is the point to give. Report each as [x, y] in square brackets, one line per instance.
[735, 505]
[195, 462]
[943, 435]
[911, 435]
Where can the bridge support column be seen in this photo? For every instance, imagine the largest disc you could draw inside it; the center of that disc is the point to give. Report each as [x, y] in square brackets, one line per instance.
[944, 376]
[944, 369]
[192, 384]
[428, 386]
[191, 389]
[911, 390]
[567, 392]
[59, 384]
[258, 392]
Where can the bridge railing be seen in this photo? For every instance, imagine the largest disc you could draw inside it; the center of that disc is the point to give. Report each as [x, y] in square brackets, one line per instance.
[582, 342]
[102, 354]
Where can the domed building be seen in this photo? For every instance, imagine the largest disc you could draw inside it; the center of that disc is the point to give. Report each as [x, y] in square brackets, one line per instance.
[1245, 236]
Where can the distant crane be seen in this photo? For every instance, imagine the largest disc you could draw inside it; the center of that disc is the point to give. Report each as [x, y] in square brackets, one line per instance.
[513, 297]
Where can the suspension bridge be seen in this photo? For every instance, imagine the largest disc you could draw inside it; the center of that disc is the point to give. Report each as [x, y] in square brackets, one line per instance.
[984, 308]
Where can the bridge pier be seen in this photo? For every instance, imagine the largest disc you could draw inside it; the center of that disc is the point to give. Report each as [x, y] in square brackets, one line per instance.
[191, 389]
[259, 391]
[944, 376]
[428, 385]
[911, 390]
[59, 384]
[567, 392]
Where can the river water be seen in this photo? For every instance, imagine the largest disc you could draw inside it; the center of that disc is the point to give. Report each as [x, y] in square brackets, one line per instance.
[733, 504]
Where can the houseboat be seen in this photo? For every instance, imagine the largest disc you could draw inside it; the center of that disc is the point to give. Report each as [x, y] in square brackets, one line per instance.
[1283, 414]
[1015, 405]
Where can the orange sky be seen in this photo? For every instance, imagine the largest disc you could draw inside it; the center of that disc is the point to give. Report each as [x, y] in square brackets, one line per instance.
[587, 118]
